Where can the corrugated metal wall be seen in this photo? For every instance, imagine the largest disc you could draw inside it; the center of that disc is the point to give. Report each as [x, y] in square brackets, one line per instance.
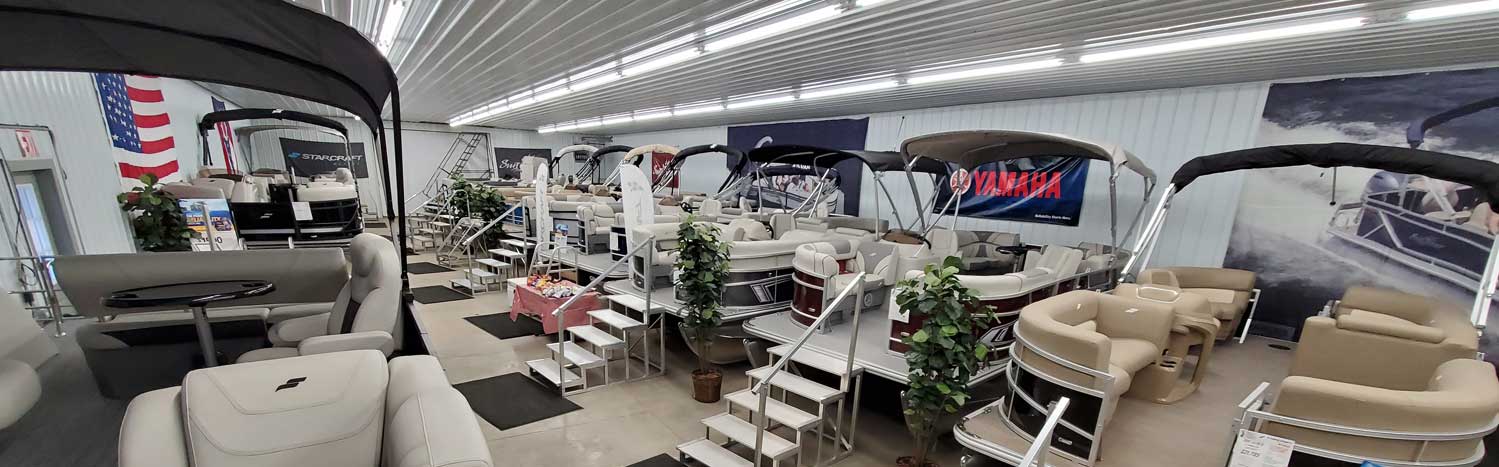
[1164, 128]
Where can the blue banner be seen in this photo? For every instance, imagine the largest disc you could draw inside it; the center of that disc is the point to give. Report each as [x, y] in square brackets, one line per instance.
[832, 134]
[1045, 190]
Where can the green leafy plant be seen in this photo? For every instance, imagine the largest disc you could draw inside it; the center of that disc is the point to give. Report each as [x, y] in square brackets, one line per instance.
[156, 217]
[702, 267]
[944, 353]
[478, 201]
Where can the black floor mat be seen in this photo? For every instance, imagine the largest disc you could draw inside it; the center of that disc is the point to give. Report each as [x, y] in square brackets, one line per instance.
[664, 460]
[500, 325]
[374, 225]
[437, 294]
[511, 400]
[425, 268]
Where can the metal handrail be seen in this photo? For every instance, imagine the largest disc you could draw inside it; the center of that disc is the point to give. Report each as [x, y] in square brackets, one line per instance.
[42, 265]
[491, 224]
[759, 388]
[560, 311]
[1036, 455]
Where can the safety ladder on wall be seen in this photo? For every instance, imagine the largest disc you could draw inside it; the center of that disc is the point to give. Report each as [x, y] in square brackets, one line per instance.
[631, 334]
[763, 424]
[455, 161]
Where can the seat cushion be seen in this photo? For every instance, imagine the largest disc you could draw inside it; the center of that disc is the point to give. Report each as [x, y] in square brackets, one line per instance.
[1132, 354]
[19, 390]
[324, 410]
[288, 333]
[269, 353]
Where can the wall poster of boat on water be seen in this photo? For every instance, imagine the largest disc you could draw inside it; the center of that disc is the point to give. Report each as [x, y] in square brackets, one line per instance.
[1311, 233]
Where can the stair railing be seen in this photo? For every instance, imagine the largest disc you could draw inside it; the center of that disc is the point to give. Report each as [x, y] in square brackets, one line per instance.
[561, 312]
[1036, 455]
[759, 388]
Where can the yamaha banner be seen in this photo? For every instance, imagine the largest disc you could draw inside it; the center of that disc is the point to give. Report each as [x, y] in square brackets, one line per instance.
[507, 161]
[1045, 190]
[832, 134]
[308, 158]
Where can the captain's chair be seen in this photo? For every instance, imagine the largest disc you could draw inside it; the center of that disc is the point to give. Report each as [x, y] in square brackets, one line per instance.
[363, 317]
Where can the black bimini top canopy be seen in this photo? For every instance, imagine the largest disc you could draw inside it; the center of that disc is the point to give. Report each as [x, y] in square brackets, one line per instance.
[703, 149]
[267, 45]
[1479, 174]
[812, 156]
[212, 118]
[970, 149]
[785, 170]
[597, 155]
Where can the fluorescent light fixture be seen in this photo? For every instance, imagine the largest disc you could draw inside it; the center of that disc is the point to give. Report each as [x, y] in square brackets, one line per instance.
[752, 16]
[563, 127]
[1448, 11]
[390, 25]
[652, 115]
[773, 28]
[594, 82]
[516, 104]
[658, 48]
[552, 94]
[696, 109]
[589, 123]
[552, 85]
[868, 3]
[831, 91]
[984, 71]
[1224, 40]
[757, 102]
[659, 62]
[544, 129]
[618, 119]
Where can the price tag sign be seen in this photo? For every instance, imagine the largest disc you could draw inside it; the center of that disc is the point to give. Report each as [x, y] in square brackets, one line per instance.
[1254, 449]
[301, 210]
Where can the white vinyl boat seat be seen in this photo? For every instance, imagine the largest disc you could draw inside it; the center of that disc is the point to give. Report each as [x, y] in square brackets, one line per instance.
[140, 352]
[364, 316]
[334, 410]
[597, 217]
[1053, 264]
[20, 388]
[866, 224]
[943, 242]
[745, 230]
[226, 187]
[326, 191]
[187, 191]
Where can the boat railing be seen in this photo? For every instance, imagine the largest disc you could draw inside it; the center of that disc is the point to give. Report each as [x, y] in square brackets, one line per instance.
[759, 388]
[1036, 455]
[1253, 413]
[40, 268]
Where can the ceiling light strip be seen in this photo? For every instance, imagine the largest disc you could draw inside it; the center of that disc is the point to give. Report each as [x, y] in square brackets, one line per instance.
[1225, 40]
[1448, 11]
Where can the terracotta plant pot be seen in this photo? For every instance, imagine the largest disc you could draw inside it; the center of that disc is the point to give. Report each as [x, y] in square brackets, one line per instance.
[905, 461]
[707, 385]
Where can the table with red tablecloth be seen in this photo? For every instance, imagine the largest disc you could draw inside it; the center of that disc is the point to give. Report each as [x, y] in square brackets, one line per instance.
[528, 300]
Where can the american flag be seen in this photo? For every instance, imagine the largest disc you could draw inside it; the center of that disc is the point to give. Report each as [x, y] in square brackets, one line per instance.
[226, 137]
[139, 127]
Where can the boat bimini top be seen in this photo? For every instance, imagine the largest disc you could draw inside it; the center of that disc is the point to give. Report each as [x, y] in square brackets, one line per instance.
[591, 165]
[674, 166]
[636, 156]
[1482, 176]
[972, 149]
[822, 160]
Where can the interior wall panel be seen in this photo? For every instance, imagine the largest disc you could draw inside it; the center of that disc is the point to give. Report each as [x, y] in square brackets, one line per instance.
[1164, 128]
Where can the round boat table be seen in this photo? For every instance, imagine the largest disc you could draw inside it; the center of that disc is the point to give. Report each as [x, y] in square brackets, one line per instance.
[194, 295]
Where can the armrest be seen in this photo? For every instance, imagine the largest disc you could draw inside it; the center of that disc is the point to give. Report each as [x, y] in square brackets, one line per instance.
[1376, 408]
[283, 313]
[151, 434]
[373, 340]
[288, 333]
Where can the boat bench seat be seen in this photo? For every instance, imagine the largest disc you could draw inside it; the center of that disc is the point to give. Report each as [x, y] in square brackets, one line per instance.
[1111, 334]
[20, 388]
[1193, 325]
[1385, 330]
[1228, 290]
[337, 409]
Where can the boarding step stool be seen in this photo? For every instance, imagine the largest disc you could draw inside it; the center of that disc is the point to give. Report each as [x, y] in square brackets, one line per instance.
[779, 414]
[591, 347]
[508, 256]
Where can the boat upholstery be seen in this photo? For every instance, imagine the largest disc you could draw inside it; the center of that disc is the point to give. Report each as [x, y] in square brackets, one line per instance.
[364, 316]
[1229, 290]
[1112, 334]
[1193, 326]
[225, 187]
[1054, 263]
[20, 388]
[140, 352]
[337, 409]
[1384, 329]
[326, 191]
[598, 217]
[979, 253]
[187, 191]
[1455, 396]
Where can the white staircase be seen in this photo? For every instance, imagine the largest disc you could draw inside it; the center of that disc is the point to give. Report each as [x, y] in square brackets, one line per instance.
[780, 430]
[629, 336]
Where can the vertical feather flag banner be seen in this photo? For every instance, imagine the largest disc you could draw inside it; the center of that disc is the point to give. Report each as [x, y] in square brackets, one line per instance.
[226, 137]
[139, 129]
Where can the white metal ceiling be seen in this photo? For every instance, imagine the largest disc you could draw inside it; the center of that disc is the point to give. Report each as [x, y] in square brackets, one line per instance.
[454, 55]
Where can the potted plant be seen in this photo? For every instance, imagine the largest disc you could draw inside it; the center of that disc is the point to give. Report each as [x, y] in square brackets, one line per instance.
[155, 217]
[702, 266]
[944, 351]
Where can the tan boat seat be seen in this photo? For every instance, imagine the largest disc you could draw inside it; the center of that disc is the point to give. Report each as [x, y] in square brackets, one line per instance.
[1193, 326]
[1227, 290]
